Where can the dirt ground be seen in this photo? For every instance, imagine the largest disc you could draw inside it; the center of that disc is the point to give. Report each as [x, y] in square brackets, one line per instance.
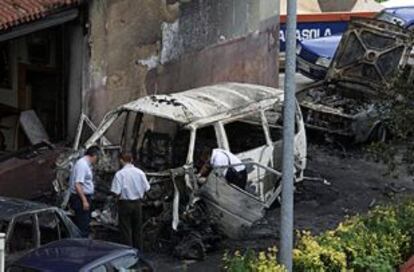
[354, 184]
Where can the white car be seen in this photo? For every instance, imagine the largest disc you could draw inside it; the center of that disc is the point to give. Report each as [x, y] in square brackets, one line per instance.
[168, 132]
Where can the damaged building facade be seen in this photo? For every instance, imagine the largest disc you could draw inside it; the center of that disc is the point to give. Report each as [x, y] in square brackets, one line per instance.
[154, 47]
[62, 59]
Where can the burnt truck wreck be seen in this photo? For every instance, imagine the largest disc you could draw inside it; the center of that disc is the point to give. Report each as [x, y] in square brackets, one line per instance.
[168, 133]
[368, 60]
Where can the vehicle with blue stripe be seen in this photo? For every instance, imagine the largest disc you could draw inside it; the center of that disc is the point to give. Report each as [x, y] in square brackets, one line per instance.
[314, 56]
[317, 19]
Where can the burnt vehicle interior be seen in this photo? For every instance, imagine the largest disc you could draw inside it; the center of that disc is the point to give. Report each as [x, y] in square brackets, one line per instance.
[31, 230]
[167, 135]
[370, 56]
[165, 144]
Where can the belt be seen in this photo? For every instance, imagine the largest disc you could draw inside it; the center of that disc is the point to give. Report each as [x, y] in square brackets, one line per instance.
[87, 195]
[130, 201]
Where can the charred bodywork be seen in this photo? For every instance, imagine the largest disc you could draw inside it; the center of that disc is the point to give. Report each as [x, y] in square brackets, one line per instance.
[368, 60]
[29, 225]
[168, 133]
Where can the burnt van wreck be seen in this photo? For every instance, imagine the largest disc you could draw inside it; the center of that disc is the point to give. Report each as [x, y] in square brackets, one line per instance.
[167, 134]
[368, 60]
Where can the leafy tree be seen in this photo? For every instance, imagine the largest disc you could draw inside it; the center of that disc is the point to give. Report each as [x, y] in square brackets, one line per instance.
[396, 111]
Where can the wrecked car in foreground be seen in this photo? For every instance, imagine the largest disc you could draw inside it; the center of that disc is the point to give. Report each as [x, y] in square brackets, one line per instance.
[29, 225]
[168, 133]
[368, 60]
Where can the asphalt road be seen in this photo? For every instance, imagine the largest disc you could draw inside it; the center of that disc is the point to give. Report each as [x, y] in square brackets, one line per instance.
[354, 183]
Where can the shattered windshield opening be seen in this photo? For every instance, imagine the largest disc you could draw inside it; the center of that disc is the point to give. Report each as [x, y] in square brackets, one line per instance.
[161, 144]
[254, 135]
[157, 144]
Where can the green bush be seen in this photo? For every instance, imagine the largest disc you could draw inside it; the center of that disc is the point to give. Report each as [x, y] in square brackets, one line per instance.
[378, 241]
[264, 261]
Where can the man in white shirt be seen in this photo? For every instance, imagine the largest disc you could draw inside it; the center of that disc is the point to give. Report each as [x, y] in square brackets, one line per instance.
[220, 157]
[82, 189]
[130, 184]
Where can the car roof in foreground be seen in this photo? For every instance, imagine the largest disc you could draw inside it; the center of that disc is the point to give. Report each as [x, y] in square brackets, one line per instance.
[70, 254]
[10, 207]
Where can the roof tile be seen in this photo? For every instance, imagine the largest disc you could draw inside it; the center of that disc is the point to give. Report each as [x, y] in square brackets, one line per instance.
[15, 12]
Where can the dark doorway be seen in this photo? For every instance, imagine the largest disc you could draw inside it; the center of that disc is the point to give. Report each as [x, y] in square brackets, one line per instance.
[48, 101]
[42, 84]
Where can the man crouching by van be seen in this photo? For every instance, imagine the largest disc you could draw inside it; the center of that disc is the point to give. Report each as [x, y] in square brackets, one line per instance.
[130, 184]
[236, 175]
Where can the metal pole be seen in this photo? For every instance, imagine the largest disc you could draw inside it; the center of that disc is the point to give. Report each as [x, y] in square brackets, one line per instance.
[2, 251]
[286, 231]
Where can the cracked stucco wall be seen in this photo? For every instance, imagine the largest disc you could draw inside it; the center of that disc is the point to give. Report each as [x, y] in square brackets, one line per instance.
[122, 32]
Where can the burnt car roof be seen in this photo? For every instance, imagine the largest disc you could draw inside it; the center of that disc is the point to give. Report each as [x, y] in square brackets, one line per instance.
[371, 54]
[10, 207]
[71, 254]
[186, 107]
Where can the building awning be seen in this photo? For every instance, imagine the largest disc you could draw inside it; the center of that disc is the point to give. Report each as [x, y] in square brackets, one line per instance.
[17, 12]
[320, 6]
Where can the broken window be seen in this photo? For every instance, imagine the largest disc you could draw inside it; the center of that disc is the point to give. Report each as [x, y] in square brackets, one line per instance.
[275, 121]
[51, 227]
[153, 143]
[129, 135]
[85, 134]
[180, 147]
[156, 151]
[205, 139]
[244, 136]
[23, 234]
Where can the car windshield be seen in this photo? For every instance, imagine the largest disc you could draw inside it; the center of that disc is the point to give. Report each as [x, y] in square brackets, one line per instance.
[388, 17]
[160, 143]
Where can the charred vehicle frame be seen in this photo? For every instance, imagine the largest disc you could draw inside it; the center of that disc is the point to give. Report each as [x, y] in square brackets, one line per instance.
[29, 225]
[167, 133]
[369, 59]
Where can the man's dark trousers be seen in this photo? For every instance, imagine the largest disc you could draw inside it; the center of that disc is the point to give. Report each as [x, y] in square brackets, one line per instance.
[130, 222]
[82, 218]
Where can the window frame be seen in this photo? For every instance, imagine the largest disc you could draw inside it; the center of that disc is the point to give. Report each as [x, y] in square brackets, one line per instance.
[263, 124]
[11, 231]
[60, 223]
